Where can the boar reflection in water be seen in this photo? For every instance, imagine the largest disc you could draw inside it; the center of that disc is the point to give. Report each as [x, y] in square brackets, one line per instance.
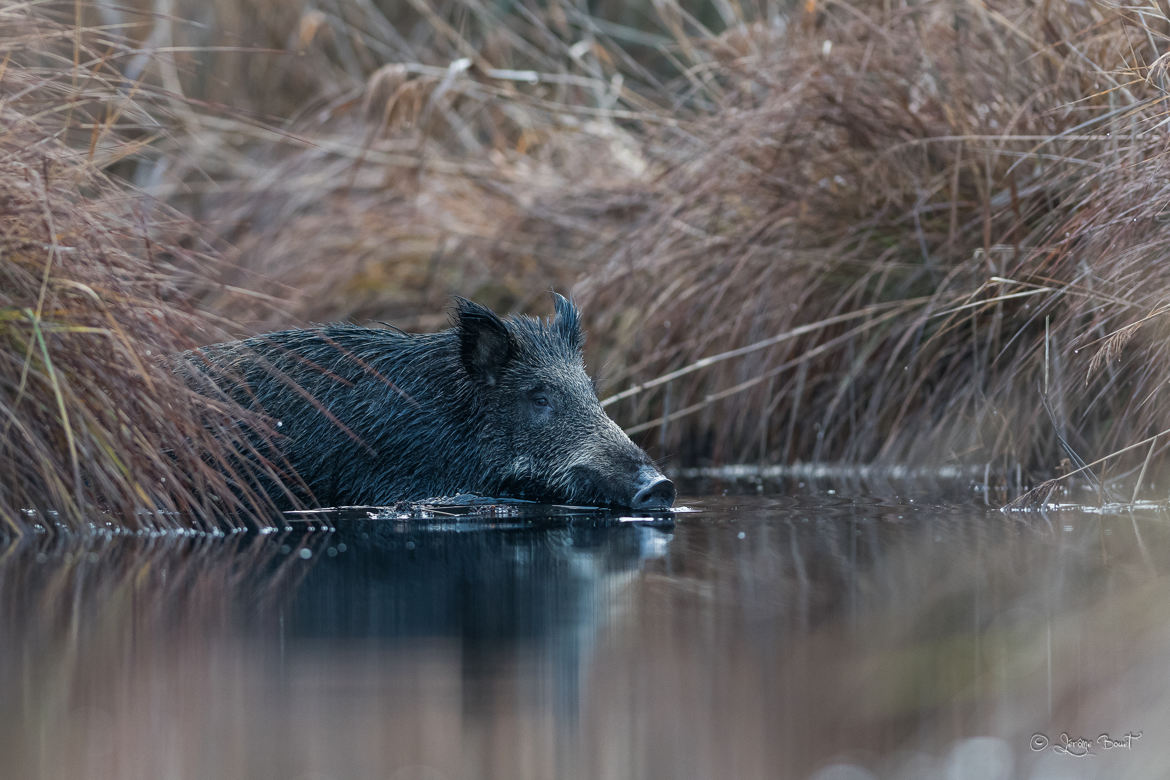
[492, 406]
[493, 588]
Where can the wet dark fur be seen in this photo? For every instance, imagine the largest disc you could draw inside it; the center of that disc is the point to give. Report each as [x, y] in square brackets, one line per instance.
[495, 407]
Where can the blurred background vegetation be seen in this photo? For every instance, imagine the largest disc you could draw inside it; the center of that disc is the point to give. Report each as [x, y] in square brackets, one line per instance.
[925, 231]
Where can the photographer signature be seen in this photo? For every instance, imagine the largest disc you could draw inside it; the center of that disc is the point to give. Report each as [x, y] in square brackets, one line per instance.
[1080, 747]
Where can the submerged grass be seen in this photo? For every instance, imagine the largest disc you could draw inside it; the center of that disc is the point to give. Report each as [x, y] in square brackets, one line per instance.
[919, 232]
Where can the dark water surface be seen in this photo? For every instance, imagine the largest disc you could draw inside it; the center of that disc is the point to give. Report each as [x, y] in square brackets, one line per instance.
[760, 637]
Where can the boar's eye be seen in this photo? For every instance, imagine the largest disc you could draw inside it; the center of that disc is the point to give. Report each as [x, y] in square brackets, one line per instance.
[540, 399]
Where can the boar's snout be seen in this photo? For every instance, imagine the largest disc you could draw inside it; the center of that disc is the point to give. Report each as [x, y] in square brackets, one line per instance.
[654, 491]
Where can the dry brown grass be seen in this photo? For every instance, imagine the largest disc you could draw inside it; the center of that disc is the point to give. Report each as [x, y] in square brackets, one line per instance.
[93, 426]
[847, 231]
[855, 231]
[933, 230]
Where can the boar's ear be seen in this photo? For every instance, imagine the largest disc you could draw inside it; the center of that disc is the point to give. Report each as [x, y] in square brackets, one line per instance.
[485, 346]
[567, 323]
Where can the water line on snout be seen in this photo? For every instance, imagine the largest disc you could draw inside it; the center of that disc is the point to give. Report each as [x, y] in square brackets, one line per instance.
[656, 492]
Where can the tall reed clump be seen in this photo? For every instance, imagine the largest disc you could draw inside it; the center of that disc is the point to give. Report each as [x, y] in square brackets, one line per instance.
[94, 427]
[907, 231]
[915, 231]
[380, 157]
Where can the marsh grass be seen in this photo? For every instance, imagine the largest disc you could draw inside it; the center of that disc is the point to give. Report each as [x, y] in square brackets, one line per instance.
[901, 232]
[931, 232]
[95, 429]
[927, 232]
[934, 232]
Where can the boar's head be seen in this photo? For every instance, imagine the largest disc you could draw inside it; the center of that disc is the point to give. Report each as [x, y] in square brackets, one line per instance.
[541, 432]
